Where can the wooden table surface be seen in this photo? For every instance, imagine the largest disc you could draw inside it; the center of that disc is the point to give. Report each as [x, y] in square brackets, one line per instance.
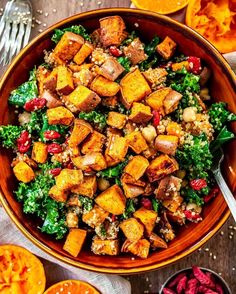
[219, 254]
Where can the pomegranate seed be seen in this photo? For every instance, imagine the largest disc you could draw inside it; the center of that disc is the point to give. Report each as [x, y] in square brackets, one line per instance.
[50, 135]
[54, 148]
[156, 118]
[55, 171]
[35, 104]
[198, 184]
[192, 216]
[146, 203]
[115, 51]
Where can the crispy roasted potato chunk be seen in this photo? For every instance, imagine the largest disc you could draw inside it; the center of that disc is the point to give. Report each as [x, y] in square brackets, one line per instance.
[174, 203]
[80, 131]
[93, 143]
[108, 247]
[39, 152]
[136, 167]
[140, 113]
[93, 160]
[95, 216]
[75, 241]
[117, 147]
[104, 87]
[156, 99]
[50, 82]
[128, 179]
[116, 120]
[83, 53]
[68, 179]
[111, 69]
[112, 200]
[41, 74]
[136, 142]
[87, 187]
[135, 51]
[166, 144]
[59, 116]
[65, 83]
[155, 76]
[171, 101]
[168, 187]
[132, 229]
[166, 48]
[147, 217]
[139, 248]
[23, 172]
[52, 99]
[132, 191]
[57, 194]
[157, 242]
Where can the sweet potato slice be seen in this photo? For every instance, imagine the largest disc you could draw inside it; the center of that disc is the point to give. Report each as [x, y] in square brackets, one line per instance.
[83, 53]
[147, 217]
[95, 216]
[166, 144]
[157, 242]
[132, 229]
[41, 74]
[117, 147]
[68, 179]
[93, 143]
[75, 241]
[111, 69]
[166, 48]
[93, 160]
[171, 101]
[59, 115]
[136, 142]
[116, 120]
[65, 83]
[80, 131]
[136, 167]
[156, 99]
[135, 51]
[23, 172]
[132, 191]
[39, 152]
[104, 87]
[139, 248]
[112, 200]
[87, 187]
[140, 113]
[57, 194]
[173, 204]
[174, 129]
[105, 247]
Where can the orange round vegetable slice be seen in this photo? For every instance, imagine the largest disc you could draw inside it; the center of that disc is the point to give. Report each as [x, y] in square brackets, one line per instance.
[161, 6]
[215, 20]
[72, 287]
[20, 271]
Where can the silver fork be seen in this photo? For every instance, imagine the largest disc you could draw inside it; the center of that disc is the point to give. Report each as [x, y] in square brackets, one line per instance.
[15, 28]
[229, 198]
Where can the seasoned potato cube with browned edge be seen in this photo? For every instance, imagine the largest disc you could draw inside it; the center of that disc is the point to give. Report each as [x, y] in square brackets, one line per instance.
[93, 160]
[134, 88]
[156, 99]
[173, 204]
[57, 194]
[87, 187]
[171, 101]
[157, 242]
[41, 74]
[116, 120]
[117, 147]
[83, 53]
[65, 83]
[147, 217]
[140, 113]
[168, 187]
[155, 76]
[80, 131]
[132, 191]
[50, 82]
[136, 142]
[128, 179]
[160, 167]
[180, 65]
[75, 241]
[52, 99]
[137, 166]
[83, 77]
[110, 102]
[112, 30]
[105, 247]
[132, 229]
[68, 179]
[111, 69]
[23, 172]
[60, 116]
[104, 87]
[135, 51]
[139, 248]
[39, 152]
[83, 99]
[174, 129]
[166, 144]
[109, 160]
[166, 48]
[95, 217]
[112, 200]
[67, 47]
[93, 143]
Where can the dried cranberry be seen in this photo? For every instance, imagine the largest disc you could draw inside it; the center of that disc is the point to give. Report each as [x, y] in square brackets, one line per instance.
[35, 104]
[156, 118]
[54, 148]
[146, 203]
[50, 135]
[113, 218]
[198, 184]
[192, 216]
[213, 193]
[70, 165]
[115, 51]
[194, 65]
[23, 142]
[55, 171]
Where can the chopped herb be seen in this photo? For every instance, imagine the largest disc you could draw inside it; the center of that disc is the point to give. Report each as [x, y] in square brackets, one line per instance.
[86, 202]
[125, 62]
[113, 172]
[155, 204]
[79, 30]
[192, 196]
[9, 135]
[95, 117]
[129, 209]
[133, 35]
[224, 136]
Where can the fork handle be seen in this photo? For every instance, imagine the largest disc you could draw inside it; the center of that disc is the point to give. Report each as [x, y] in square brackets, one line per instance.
[229, 197]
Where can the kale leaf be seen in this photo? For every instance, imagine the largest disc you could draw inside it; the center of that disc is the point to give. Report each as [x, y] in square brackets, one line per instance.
[95, 117]
[25, 92]
[130, 208]
[125, 62]
[155, 204]
[86, 202]
[36, 120]
[150, 50]
[9, 135]
[113, 172]
[79, 30]
[187, 82]
[224, 136]
[133, 35]
[192, 196]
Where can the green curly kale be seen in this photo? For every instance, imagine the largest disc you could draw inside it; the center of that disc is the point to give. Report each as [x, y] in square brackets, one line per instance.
[86, 202]
[130, 208]
[150, 50]
[125, 62]
[95, 117]
[187, 82]
[9, 135]
[133, 35]
[113, 172]
[79, 30]
[192, 196]
[224, 136]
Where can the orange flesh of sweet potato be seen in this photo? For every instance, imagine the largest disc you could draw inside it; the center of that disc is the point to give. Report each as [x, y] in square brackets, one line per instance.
[132, 229]
[50, 82]
[59, 115]
[95, 216]
[135, 51]
[83, 53]
[136, 167]
[156, 99]
[93, 160]
[23, 172]
[157, 242]
[180, 65]
[80, 131]
[168, 187]
[139, 248]
[147, 217]
[74, 241]
[86, 188]
[128, 179]
[136, 142]
[65, 83]
[68, 179]
[116, 120]
[171, 101]
[57, 194]
[39, 152]
[108, 247]
[132, 191]
[111, 69]
[155, 76]
[173, 204]
[93, 143]
[52, 99]
[140, 113]
[117, 147]
[166, 144]
[104, 87]
[174, 129]
[166, 48]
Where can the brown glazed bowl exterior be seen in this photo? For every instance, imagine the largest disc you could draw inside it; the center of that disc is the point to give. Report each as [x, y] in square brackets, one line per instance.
[223, 87]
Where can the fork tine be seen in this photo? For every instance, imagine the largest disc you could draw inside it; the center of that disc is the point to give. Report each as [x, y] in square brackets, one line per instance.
[12, 39]
[5, 14]
[27, 32]
[19, 39]
[5, 35]
[5, 43]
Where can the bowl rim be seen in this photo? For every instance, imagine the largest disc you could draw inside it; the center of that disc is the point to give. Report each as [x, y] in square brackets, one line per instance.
[145, 268]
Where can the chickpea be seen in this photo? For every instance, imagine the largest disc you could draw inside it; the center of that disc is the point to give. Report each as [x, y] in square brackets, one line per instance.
[189, 114]
[149, 133]
[72, 220]
[103, 184]
[194, 207]
[24, 118]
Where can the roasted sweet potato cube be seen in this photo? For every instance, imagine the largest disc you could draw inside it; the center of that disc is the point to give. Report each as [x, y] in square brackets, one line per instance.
[68, 179]
[110, 161]
[140, 113]
[83, 53]
[160, 167]
[168, 187]
[166, 144]
[135, 51]
[41, 74]
[95, 217]
[173, 204]
[132, 229]
[112, 200]
[105, 247]
[166, 48]
[147, 217]
[110, 102]
[57, 194]
[155, 76]
[134, 88]
[116, 120]
[156, 99]
[157, 242]
[59, 116]
[104, 87]
[136, 142]
[80, 131]
[67, 47]
[93, 143]
[50, 81]
[150, 152]
[171, 101]
[132, 191]
[137, 166]
[83, 99]
[180, 65]
[128, 179]
[174, 129]
[112, 30]
[139, 248]
[52, 99]
[39, 152]
[117, 147]
[176, 217]
[87, 187]
[93, 160]
[75, 241]
[111, 69]
[65, 83]
[23, 172]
